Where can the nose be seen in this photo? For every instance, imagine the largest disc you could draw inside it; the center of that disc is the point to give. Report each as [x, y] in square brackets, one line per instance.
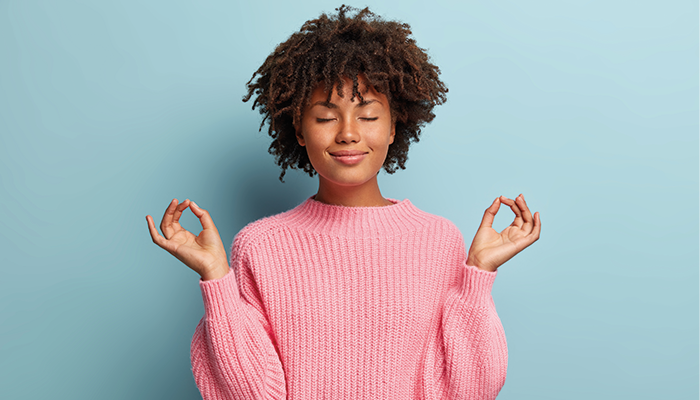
[348, 132]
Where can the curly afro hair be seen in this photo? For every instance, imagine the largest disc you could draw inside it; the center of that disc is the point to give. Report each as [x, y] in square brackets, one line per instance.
[353, 42]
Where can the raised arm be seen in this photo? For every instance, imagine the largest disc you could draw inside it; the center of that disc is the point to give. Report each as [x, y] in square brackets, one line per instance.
[468, 358]
[233, 355]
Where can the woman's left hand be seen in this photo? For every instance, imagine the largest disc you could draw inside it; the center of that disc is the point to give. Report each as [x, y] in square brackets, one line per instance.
[490, 249]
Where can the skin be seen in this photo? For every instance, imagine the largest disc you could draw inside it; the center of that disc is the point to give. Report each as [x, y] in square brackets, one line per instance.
[203, 253]
[326, 130]
[330, 128]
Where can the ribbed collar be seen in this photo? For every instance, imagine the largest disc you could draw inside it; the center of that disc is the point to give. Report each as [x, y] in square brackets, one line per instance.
[314, 216]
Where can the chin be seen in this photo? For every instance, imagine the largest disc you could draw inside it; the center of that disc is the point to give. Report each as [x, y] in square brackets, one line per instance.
[348, 181]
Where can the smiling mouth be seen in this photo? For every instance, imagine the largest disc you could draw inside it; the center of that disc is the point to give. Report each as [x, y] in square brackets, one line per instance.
[348, 157]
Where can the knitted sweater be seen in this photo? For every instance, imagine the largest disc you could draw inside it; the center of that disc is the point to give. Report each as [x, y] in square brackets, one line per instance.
[332, 302]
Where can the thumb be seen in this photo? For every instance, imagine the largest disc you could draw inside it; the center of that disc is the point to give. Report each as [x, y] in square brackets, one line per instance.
[203, 215]
[490, 213]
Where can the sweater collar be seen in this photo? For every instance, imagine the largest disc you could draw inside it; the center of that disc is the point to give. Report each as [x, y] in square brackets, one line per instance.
[312, 215]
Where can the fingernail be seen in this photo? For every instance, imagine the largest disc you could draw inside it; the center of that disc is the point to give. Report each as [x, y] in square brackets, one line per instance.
[194, 204]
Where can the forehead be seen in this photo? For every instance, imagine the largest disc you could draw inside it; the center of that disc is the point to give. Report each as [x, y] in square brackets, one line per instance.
[319, 93]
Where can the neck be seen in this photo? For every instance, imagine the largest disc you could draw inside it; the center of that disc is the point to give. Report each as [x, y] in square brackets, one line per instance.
[365, 195]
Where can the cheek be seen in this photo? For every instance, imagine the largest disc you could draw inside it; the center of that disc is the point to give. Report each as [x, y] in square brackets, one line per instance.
[313, 147]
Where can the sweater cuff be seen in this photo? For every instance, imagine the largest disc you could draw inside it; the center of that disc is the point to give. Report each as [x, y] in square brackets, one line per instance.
[477, 283]
[220, 296]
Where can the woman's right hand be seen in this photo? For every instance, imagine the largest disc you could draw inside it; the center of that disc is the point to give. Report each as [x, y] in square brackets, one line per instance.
[204, 253]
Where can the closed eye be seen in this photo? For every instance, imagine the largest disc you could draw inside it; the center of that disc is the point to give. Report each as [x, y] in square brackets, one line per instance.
[370, 119]
[324, 119]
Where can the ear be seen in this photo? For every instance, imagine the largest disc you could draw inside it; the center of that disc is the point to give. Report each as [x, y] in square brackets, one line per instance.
[393, 132]
[300, 137]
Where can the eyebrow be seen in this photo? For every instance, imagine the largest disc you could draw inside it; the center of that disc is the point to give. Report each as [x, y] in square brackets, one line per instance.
[328, 104]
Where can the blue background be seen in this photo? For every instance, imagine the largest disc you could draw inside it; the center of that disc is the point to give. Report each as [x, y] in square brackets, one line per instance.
[108, 110]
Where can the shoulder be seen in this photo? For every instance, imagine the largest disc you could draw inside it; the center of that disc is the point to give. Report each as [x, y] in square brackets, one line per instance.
[441, 236]
[258, 232]
[438, 224]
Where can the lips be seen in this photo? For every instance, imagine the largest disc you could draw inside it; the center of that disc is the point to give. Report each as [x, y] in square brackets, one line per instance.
[348, 157]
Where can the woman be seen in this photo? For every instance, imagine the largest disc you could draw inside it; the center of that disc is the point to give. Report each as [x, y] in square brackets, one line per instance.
[348, 295]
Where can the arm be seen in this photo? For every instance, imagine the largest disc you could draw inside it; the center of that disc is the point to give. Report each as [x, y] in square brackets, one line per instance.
[471, 341]
[468, 358]
[233, 355]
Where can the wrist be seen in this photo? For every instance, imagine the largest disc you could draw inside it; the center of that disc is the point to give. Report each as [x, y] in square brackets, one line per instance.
[475, 263]
[216, 273]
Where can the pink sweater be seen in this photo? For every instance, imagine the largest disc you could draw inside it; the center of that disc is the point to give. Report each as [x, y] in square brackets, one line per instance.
[331, 302]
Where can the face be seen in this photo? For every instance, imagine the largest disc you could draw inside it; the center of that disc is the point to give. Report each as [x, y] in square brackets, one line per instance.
[347, 141]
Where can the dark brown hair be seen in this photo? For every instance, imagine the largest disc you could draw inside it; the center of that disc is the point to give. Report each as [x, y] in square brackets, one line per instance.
[329, 48]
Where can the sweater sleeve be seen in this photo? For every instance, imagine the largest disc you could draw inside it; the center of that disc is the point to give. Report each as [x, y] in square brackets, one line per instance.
[468, 357]
[233, 351]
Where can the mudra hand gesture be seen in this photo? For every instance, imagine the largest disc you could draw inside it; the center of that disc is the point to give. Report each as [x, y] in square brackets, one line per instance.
[490, 249]
[204, 253]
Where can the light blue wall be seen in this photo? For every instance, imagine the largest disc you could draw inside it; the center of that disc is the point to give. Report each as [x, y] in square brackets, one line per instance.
[109, 110]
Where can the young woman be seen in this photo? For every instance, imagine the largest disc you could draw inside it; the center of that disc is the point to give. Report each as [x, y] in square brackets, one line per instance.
[349, 295]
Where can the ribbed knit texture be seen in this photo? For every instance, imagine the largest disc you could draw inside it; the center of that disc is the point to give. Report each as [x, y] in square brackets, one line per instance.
[331, 302]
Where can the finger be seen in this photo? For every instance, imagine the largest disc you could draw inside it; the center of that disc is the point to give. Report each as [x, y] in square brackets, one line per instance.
[155, 236]
[533, 236]
[490, 214]
[537, 228]
[178, 211]
[523, 242]
[166, 222]
[518, 221]
[204, 217]
[526, 214]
